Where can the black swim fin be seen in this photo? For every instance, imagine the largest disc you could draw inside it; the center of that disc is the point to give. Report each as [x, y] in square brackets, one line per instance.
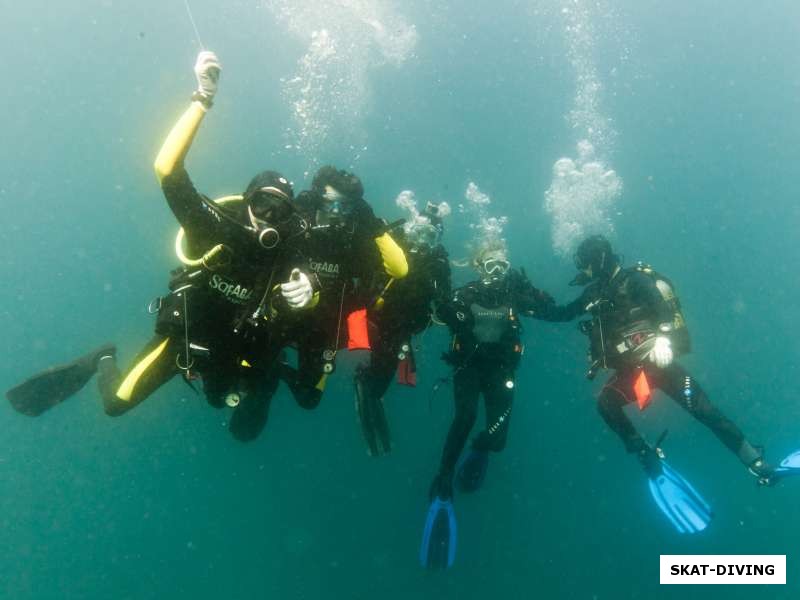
[52, 386]
[372, 416]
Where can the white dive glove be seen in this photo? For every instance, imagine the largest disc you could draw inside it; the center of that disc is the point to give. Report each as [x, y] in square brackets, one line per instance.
[661, 354]
[207, 70]
[297, 291]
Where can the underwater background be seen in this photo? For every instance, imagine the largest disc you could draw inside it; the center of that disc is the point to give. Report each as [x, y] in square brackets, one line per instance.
[690, 113]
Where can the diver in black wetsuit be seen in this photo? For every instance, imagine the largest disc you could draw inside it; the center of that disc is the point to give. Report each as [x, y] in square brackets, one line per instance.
[637, 329]
[199, 322]
[483, 317]
[346, 245]
[242, 248]
[405, 308]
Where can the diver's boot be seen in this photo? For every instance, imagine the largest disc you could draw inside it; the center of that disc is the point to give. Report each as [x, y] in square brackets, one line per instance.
[306, 395]
[753, 458]
[52, 386]
[650, 458]
[441, 486]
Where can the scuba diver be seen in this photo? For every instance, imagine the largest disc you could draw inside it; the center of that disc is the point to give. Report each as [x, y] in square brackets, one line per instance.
[239, 243]
[406, 309]
[637, 330]
[486, 349]
[345, 247]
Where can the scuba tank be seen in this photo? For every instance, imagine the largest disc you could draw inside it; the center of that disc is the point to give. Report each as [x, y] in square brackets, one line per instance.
[679, 333]
[632, 341]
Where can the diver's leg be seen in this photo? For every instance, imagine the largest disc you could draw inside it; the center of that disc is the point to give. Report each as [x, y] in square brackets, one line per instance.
[497, 386]
[250, 416]
[218, 382]
[466, 393]
[616, 393]
[371, 383]
[382, 368]
[154, 365]
[684, 389]
[307, 382]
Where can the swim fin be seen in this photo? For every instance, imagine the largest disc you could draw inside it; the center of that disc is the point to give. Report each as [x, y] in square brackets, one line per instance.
[438, 549]
[679, 501]
[789, 466]
[372, 416]
[472, 471]
[52, 386]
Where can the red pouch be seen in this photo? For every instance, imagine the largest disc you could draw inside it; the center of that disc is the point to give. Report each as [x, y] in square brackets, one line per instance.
[357, 334]
[641, 388]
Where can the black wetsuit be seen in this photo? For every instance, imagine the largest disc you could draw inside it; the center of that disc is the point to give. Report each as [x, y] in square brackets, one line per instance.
[208, 305]
[339, 257]
[406, 309]
[628, 312]
[486, 350]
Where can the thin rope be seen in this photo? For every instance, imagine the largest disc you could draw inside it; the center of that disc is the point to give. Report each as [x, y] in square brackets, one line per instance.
[194, 25]
[339, 326]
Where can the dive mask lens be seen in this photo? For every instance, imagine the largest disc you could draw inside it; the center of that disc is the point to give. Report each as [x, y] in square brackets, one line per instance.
[267, 207]
[336, 203]
[338, 208]
[267, 204]
[496, 266]
[580, 263]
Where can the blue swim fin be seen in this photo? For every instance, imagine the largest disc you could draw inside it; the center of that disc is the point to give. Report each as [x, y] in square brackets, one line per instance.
[438, 549]
[679, 501]
[472, 471]
[789, 466]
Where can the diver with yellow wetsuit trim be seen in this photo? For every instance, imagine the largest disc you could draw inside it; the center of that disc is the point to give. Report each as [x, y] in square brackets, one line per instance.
[237, 253]
[407, 309]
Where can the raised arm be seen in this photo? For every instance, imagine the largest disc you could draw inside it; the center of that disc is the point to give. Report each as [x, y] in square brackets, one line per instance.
[179, 140]
[196, 214]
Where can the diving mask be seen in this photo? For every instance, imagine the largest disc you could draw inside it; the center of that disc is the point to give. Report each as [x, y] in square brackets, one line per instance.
[268, 206]
[496, 266]
[335, 203]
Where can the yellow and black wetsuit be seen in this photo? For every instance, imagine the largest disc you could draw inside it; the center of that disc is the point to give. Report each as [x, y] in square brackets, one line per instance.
[204, 305]
[160, 359]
